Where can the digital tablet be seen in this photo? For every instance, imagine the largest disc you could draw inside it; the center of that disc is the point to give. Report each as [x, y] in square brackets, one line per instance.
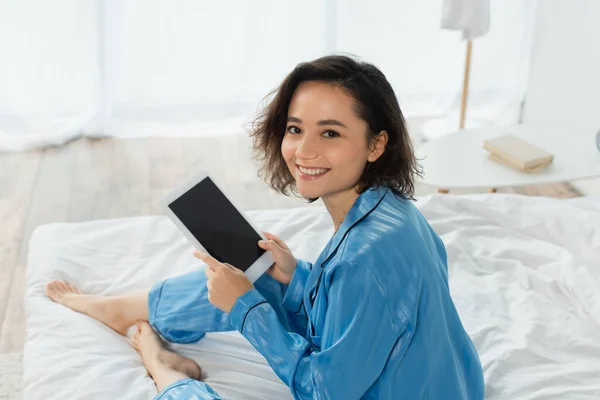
[210, 220]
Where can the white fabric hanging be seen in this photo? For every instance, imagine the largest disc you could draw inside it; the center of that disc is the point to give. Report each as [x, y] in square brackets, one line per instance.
[139, 68]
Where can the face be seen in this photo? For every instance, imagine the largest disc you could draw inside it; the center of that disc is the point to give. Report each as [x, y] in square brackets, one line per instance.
[326, 144]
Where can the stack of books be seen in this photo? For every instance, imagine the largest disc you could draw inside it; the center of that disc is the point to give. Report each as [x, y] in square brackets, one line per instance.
[517, 153]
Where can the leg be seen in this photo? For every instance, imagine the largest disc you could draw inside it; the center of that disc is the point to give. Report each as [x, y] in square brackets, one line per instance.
[117, 312]
[164, 367]
[179, 309]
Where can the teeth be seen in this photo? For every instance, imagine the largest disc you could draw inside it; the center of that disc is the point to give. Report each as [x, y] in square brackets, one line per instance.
[311, 171]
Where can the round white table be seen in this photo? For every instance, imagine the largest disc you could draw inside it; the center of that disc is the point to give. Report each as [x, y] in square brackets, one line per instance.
[458, 160]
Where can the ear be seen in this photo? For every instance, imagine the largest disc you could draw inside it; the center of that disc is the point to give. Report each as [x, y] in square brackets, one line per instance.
[378, 146]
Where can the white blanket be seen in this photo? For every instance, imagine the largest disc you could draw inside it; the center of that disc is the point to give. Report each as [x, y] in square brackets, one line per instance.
[524, 273]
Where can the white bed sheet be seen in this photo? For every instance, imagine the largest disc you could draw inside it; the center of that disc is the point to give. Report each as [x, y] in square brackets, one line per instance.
[524, 274]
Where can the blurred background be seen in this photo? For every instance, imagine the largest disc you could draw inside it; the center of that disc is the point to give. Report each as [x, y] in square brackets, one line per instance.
[105, 105]
[200, 68]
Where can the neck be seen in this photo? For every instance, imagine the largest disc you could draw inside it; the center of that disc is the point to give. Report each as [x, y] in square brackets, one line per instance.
[338, 204]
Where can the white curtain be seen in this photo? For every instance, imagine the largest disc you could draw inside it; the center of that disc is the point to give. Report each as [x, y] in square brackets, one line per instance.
[49, 66]
[195, 67]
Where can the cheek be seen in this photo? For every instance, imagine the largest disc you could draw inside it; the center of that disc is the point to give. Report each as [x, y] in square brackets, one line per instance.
[287, 149]
[349, 155]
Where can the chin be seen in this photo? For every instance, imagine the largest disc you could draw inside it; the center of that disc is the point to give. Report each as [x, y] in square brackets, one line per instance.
[309, 193]
[312, 190]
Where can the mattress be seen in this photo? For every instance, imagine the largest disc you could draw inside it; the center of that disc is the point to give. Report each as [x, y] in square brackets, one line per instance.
[524, 274]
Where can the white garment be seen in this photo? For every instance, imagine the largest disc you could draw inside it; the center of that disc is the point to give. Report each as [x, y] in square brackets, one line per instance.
[472, 17]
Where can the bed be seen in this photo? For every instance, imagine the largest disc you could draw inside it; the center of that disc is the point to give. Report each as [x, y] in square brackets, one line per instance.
[524, 274]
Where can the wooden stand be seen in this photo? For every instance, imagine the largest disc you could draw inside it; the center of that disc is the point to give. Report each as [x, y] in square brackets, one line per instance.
[465, 90]
[465, 93]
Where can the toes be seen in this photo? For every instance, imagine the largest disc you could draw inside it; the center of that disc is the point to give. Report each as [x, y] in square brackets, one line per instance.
[149, 331]
[53, 288]
[57, 287]
[66, 287]
[49, 288]
[73, 288]
[146, 328]
[62, 286]
[135, 340]
[58, 290]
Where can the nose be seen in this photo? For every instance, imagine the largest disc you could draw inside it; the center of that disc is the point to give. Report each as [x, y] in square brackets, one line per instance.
[308, 147]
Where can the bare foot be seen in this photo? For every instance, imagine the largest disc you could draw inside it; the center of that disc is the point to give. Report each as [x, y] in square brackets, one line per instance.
[97, 307]
[157, 358]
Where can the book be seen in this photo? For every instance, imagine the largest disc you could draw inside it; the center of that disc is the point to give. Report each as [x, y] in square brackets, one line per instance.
[516, 152]
[500, 160]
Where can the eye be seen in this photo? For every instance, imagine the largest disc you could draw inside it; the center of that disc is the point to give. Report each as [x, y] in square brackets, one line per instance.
[294, 130]
[330, 134]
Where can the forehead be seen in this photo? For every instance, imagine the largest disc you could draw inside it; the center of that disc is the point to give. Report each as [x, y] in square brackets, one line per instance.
[314, 101]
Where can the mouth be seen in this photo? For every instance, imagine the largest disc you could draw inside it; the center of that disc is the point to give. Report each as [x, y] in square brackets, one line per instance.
[311, 173]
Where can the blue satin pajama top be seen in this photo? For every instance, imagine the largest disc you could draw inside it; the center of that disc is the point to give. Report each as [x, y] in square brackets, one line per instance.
[371, 318]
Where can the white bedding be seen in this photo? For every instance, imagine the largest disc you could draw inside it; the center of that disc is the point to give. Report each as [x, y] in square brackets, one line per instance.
[524, 274]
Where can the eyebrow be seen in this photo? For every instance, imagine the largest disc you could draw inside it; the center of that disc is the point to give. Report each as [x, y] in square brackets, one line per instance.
[320, 123]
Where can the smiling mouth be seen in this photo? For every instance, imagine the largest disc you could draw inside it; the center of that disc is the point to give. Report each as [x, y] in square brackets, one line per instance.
[311, 173]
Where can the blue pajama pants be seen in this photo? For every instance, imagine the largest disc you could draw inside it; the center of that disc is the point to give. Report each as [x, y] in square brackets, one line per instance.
[180, 312]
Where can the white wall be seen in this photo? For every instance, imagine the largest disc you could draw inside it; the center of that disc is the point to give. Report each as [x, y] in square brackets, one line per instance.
[564, 88]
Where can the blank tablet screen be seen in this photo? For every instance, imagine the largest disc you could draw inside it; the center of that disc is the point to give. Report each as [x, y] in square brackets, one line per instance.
[217, 225]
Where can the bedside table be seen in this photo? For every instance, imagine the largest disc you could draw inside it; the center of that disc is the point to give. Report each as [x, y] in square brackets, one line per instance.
[458, 160]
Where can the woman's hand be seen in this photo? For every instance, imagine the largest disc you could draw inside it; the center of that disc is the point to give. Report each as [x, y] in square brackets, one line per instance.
[285, 262]
[225, 282]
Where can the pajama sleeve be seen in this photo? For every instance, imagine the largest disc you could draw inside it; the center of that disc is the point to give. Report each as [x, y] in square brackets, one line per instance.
[292, 300]
[178, 307]
[357, 337]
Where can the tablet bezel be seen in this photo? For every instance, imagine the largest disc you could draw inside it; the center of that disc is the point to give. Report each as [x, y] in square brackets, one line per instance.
[259, 266]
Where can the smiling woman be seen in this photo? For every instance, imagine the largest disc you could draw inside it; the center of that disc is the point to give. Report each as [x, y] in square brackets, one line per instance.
[372, 317]
[327, 162]
[347, 109]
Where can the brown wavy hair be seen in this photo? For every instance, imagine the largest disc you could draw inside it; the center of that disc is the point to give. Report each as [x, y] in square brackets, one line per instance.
[376, 104]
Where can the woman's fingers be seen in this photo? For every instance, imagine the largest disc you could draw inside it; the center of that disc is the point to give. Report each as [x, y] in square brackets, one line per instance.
[271, 270]
[270, 245]
[209, 273]
[208, 260]
[213, 265]
[275, 239]
[231, 267]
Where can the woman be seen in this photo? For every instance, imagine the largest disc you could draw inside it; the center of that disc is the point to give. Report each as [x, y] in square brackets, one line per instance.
[372, 317]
